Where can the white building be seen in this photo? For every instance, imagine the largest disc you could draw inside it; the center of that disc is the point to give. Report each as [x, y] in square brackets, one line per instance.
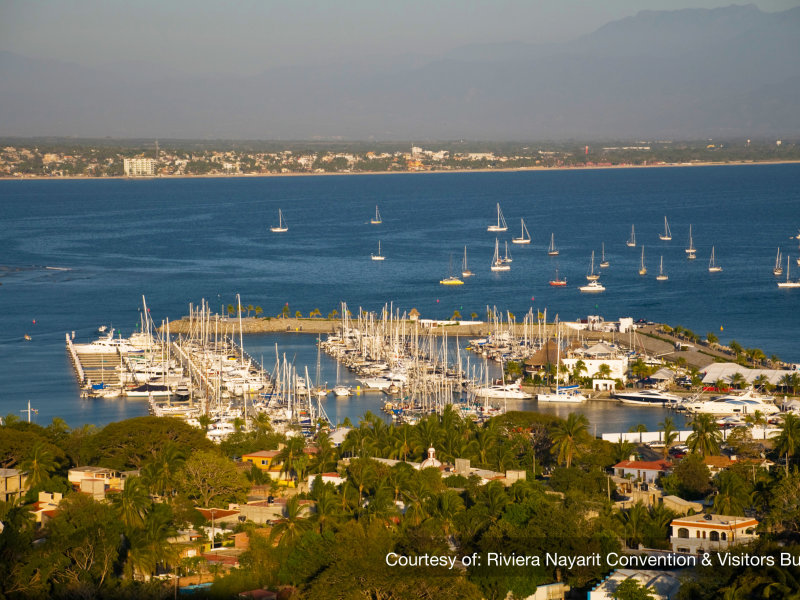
[704, 533]
[599, 354]
[139, 167]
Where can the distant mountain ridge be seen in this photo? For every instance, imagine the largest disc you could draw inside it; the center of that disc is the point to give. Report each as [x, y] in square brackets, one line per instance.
[687, 73]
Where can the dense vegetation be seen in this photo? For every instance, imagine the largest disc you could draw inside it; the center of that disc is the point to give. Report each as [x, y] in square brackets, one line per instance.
[565, 505]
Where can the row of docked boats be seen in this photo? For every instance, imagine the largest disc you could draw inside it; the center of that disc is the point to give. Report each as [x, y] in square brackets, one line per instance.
[746, 403]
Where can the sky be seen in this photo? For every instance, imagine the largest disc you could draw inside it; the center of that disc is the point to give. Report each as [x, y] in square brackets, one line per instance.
[249, 36]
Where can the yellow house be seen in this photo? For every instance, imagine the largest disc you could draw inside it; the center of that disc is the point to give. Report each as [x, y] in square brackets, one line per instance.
[265, 460]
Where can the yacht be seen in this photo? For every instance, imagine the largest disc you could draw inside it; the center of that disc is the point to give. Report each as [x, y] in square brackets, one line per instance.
[661, 275]
[788, 283]
[592, 287]
[565, 395]
[511, 391]
[281, 228]
[646, 397]
[712, 263]
[378, 256]
[558, 282]
[465, 272]
[642, 268]
[376, 220]
[603, 262]
[667, 235]
[690, 251]
[731, 404]
[778, 270]
[592, 276]
[551, 250]
[524, 236]
[632, 240]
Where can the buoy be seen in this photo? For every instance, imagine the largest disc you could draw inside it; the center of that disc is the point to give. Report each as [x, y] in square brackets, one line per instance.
[437, 301]
[34, 321]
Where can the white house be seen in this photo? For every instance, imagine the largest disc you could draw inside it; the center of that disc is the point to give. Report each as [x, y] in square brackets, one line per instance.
[702, 533]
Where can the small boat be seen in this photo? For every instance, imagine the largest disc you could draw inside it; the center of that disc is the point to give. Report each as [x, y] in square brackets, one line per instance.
[788, 283]
[281, 228]
[593, 287]
[632, 240]
[501, 222]
[27, 338]
[661, 275]
[642, 268]
[377, 219]
[558, 282]
[778, 270]
[667, 235]
[507, 259]
[378, 256]
[452, 279]
[603, 262]
[497, 262]
[551, 250]
[341, 391]
[524, 236]
[690, 251]
[592, 276]
[465, 272]
[567, 394]
[712, 264]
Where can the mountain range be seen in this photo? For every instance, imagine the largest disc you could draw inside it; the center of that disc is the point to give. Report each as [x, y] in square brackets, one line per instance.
[691, 73]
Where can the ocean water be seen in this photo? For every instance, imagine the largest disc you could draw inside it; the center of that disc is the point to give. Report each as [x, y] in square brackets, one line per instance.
[78, 254]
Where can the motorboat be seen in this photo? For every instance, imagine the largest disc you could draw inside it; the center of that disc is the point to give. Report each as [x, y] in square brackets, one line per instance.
[593, 287]
[510, 391]
[646, 397]
[732, 404]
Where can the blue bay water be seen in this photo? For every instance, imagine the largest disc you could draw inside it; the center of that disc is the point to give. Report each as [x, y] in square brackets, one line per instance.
[180, 240]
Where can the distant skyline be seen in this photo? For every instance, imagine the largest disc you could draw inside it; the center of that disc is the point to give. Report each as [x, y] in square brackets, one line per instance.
[248, 37]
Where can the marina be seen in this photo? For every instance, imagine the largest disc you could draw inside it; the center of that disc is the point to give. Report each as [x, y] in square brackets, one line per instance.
[209, 241]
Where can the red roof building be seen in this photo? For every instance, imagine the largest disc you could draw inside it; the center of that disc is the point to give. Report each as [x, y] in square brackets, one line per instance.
[646, 471]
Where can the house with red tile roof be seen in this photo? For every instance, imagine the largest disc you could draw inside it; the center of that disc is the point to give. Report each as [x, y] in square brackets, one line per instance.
[643, 470]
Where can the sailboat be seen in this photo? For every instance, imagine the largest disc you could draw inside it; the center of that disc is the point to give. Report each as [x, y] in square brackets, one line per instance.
[507, 259]
[661, 275]
[558, 282]
[377, 219]
[465, 272]
[778, 270]
[378, 256]
[632, 240]
[524, 236]
[603, 262]
[551, 250]
[642, 268]
[501, 222]
[497, 262]
[667, 235]
[712, 264]
[690, 251]
[787, 283]
[592, 276]
[339, 390]
[451, 279]
[569, 394]
[281, 228]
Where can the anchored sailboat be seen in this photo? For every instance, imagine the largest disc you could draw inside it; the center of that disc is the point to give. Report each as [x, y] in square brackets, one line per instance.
[377, 219]
[603, 262]
[690, 251]
[642, 268]
[465, 272]
[667, 235]
[551, 250]
[501, 222]
[661, 275]
[592, 276]
[712, 264]
[524, 236]
[632, 240]
[497, 263]
[787, 283]
[378, 256]
[451, 279]
[507, 259]
[281, 228]
[558, 282]
[778, 270]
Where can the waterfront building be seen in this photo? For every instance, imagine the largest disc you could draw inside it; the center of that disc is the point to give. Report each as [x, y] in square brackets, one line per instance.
[139, 167]
[596, 355]
[701, 533]
[662, 585]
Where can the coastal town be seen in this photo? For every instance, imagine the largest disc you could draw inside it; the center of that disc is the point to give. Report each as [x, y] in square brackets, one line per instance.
[237, 488]
[59, 158]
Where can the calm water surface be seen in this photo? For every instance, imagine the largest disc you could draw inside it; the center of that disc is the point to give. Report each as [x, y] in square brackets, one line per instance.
[178, 241]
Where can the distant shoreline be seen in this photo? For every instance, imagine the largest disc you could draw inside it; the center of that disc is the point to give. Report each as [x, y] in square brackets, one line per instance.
[436, 171]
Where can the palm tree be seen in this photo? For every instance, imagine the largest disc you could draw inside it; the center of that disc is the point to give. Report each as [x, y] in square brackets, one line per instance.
[204, 421]
[634, 520]
[250, 308]
[711, 338]
[360, 474]
[447, 506]
[292, 527]
[788, 440]
[415, 497]
[580, 367]
[732, 497]
[132, 503]
[738, 380]
[39, 464]
[705, 437]
[736, 348]
[259, 310]
[567, 435]
[762, 383]
[670, 434]
[327, 511]
[161, 474]
[603, 371]
[640, 429]
[289, 455]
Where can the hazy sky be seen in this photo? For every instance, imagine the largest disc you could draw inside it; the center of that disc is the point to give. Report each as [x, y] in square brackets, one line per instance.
[248, 36]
